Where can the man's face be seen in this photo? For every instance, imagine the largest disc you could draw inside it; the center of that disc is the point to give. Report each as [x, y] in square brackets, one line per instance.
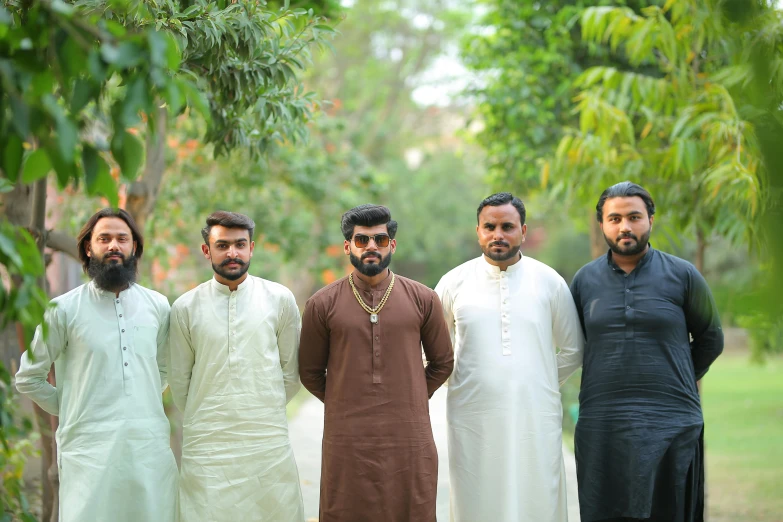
[626, 225]
[229, 250]
[111, 241]
[500, 232]
[111, 251]
[371, 259]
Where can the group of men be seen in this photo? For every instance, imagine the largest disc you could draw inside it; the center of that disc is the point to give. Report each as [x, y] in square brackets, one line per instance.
[506, 328]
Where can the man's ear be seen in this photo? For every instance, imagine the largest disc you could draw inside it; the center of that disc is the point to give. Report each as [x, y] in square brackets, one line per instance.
[347, 247]
[87, 249]
[205, 251]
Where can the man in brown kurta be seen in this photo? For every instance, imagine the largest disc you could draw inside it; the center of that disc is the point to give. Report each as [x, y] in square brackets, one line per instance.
[379, 459]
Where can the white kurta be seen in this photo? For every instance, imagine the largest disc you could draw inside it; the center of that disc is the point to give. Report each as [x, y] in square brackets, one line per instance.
[110, 358]
[234, 366]
[504, 412]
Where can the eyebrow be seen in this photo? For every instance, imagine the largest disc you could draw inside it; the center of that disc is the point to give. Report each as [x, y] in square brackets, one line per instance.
[227, 242]
[631, 213]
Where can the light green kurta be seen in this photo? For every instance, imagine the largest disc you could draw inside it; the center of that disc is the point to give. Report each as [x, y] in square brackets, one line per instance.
[234, 366]
[110, 358]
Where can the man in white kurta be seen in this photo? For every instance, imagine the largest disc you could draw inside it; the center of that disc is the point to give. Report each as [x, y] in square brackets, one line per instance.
[508, 315]
[109, 351]
[234, 366]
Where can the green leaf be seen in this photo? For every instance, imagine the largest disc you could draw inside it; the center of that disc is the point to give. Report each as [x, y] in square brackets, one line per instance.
[12, 156]
[36, 167]
[65, 170]
[7, 247]
[98, 179]
[21, 116]
[324, 28]
[123, 56]
[136, 101]
[6, 186]
[164, 49]
[129, 153]
[83, 92]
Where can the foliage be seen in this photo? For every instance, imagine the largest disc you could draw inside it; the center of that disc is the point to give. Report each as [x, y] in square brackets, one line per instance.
[528, 55]
[679, 131]
[56, 63]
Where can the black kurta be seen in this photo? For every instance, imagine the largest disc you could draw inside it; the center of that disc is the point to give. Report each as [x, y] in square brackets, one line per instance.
[639, 435]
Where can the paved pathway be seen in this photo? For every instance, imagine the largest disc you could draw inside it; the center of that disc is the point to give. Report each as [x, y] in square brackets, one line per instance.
[306, 431]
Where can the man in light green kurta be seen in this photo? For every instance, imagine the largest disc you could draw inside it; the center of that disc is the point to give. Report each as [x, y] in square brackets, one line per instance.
[107, 340]
[234, 366]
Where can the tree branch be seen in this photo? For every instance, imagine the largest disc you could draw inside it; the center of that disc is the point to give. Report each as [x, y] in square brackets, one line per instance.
[62, 242]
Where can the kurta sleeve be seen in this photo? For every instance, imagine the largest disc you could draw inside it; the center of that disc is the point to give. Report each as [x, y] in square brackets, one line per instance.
[703, 320]
[314, 350]
[288, 345]
[566, 332]
[437, 346]
[163, 344]
[578, 303]
[34, 370]
[447, 302]
[181, 357]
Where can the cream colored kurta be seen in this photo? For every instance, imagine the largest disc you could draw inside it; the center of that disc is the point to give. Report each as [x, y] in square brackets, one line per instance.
[234, 366]
[113, 452]
[504, 412]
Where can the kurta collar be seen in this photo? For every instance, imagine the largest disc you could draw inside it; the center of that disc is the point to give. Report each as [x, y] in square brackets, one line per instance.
[495, 270]
[105, 294]
[643, 261]
[380, 287]
[223, 289]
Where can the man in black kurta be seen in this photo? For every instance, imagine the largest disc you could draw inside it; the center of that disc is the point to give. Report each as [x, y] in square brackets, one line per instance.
[651, 330]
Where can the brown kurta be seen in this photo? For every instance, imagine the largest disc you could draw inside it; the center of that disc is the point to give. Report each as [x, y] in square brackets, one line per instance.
[379, 459]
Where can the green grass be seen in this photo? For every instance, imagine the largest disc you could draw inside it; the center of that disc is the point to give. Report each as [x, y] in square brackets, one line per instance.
[743, 411]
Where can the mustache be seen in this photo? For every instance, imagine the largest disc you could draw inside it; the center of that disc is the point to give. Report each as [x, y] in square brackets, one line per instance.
[236, 260]
[627, 236]
[368, 255]
[499, 243]
[119, 255]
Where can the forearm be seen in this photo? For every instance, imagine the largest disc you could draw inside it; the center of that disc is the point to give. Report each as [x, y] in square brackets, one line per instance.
[705, 350]
[315, 382]
[31, 382]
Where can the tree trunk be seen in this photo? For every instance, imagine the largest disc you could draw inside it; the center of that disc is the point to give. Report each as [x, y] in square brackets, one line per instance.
[701, 247]
[47, 424]
[597, 242]
[143, 193]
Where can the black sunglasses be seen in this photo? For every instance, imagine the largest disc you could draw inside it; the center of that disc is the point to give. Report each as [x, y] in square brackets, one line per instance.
[381, 240]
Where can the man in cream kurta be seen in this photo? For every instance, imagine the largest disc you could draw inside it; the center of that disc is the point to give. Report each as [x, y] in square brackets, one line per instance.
[234, 366]
[508, 314]
[109, 348]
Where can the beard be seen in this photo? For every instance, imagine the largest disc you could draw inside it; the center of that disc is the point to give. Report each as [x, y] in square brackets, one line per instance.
[511, 253]
[630, 250]
[231, 275]
[111, 273]
[371, 270]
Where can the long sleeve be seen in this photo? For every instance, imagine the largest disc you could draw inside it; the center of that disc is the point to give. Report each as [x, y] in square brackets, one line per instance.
[703, 320]
[181, 358]
[567, 333]
[437, 346]
[163, 345]
[33, 371]
[288, 346]
[314, 350]
[447, 302]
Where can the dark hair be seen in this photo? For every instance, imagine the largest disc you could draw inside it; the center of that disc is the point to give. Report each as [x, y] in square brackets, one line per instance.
[624, 189]
[85, 235]
[227, 219]
[367, 216]
[502, 198]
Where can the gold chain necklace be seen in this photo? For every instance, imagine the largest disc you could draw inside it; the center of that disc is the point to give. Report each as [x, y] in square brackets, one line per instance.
[372, 311]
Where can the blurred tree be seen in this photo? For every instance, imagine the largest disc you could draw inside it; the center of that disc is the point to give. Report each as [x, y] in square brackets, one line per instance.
[679, 132]
[79, 82]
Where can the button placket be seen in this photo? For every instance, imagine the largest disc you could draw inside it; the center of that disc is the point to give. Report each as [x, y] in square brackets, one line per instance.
[232, 338]
[505, 323]
[375, 333]
[125, 358]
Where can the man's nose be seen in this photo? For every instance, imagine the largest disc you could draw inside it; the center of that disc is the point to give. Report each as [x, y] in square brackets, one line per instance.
[114, 245]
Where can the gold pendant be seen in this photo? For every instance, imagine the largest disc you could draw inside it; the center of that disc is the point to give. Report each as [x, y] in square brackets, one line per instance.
[374, 318]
